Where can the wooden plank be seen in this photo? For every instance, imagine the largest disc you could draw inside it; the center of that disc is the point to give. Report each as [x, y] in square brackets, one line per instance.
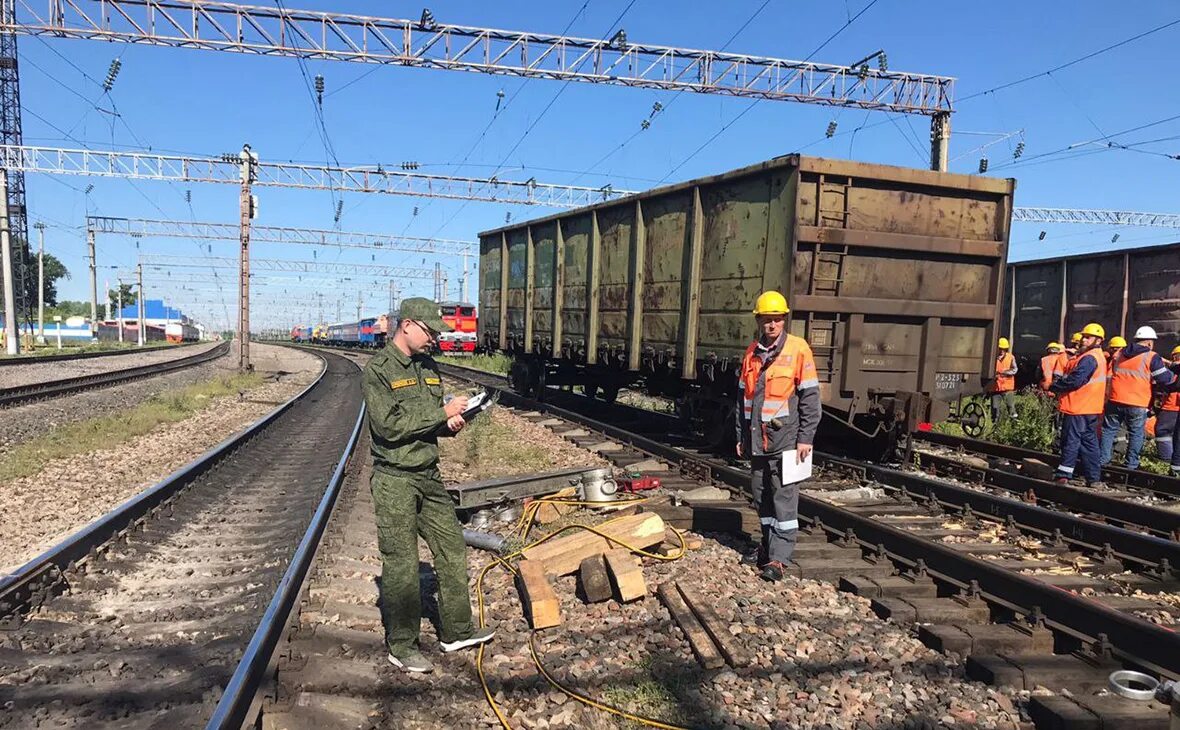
[594, 580]
[638, 275]
[734, 653]
[541, 607]
[626, 575]
[563, 555]
[702, 646]
[550, 512]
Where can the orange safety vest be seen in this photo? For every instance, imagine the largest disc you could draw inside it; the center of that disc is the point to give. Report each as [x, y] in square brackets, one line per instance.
[1130, 380]
[1171, 402]
[1004, 383]
[1052, 365]
[1090, 399]
[794, 368]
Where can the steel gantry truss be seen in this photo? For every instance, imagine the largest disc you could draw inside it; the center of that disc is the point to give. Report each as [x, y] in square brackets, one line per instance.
[1096, 217]
[180, 168]
[204, 230]
[286, 265]
[277, 31]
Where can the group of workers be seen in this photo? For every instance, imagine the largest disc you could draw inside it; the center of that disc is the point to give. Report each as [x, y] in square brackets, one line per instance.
[1099, 392]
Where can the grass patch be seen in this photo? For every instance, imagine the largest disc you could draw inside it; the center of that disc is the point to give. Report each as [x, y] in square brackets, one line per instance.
[651, 696]
[488, 447]
[497, 363]
[111, 430]
[1032, 430]
[51, 349]
[655, 403]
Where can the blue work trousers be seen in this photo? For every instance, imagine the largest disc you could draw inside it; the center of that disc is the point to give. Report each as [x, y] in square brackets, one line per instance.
[1079, 448]
[1167, 438]
[1135, 419]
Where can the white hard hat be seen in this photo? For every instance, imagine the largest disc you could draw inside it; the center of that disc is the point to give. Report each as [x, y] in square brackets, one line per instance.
[1145, 333]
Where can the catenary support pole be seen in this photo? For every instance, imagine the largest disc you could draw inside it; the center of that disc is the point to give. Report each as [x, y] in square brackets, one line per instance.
[142, 308]
[11, 320]
[40, 282]
[249, 161]
[940, 138]
[93, 284]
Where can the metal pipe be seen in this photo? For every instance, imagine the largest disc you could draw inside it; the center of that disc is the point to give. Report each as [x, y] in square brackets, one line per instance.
[485, 541]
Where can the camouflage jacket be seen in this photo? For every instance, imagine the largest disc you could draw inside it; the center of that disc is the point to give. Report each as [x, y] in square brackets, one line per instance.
[404, 395]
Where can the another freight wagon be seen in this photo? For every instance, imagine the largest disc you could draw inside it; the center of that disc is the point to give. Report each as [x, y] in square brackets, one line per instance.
[1048, 299]
[893, 276]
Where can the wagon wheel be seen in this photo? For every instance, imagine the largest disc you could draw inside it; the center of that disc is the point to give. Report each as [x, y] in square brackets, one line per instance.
[609, 393]
[972, 419]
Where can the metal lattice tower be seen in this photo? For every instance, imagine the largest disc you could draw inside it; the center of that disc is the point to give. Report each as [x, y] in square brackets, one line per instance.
[10, 134]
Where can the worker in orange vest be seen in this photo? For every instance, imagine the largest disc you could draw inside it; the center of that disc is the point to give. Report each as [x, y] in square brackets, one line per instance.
[1083, 394]
[1004, 386]
[1167, 420]
[1115, 344]
[1071, 350]
[780, 412]
[1136, 368]
[1053, 364]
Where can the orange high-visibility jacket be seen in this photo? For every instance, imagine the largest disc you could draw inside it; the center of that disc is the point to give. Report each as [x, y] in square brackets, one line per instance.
[793, 368]
[1052, 365]
[1090, 398]
[1005, 373]
[1130, 380]
[1171, 402]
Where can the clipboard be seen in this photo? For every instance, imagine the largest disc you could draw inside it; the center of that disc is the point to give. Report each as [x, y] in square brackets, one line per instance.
[476, 405]
[793, 472]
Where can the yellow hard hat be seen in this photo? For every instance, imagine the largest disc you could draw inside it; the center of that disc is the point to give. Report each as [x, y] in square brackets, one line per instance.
[1176, 350]
[1094, 330]
[1076, 338]
[771, 302]
[1117, 341]
[1004, 344]
[1054, 347]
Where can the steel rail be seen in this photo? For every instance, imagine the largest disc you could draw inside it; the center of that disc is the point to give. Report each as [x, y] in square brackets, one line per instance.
[241, 693]
[34, 582]
[36, 359]
[1129, 637]
[19, 394]
[1159, 483]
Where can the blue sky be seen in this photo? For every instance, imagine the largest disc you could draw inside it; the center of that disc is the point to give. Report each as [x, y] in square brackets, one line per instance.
[208, 103]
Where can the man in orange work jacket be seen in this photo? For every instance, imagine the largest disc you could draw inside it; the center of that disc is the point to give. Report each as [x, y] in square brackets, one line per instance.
[1083, 394]
[780, 411]
[1004, 386]
[1135, 369]
[1053, 364]
[1167, 421]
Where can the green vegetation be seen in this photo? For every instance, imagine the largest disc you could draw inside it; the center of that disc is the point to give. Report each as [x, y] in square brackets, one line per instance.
[105, 432]
[488, 447]
[51, 348]
[650, 695]
[497, 363]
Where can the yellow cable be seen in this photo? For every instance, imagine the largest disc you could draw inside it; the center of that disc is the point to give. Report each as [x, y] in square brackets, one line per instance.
[503, 561]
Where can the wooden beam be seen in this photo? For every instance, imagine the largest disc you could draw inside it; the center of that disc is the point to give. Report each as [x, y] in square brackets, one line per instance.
[563, 555]
[702, 646]
[541, 607]
[593, 579]
[734, 652]
[626, 575]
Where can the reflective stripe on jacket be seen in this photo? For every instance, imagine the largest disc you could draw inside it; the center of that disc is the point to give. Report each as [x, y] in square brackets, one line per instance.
[1130, 380]
[1005, 373]
[1089, 397]
[768, 389]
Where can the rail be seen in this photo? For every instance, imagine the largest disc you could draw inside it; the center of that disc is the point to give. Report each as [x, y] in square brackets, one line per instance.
[19, 394]
[1126, 636]
[34, 582]
[35, 359]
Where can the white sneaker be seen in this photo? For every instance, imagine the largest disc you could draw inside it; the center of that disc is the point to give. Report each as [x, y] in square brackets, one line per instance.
[479, 636]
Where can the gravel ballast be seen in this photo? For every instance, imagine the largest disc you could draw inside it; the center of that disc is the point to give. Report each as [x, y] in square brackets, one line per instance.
[69, 493]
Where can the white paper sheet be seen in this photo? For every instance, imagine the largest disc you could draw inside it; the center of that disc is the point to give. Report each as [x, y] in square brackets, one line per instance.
[793, 472]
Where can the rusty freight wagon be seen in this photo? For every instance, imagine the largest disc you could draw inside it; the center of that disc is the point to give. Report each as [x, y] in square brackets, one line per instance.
[1048, 299]
[893, 276]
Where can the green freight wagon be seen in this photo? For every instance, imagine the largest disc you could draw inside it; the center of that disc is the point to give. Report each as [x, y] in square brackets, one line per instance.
[893, 276]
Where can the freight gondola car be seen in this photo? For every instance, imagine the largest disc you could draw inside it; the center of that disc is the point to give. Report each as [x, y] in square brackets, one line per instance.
[1048, 299]
[893, 276]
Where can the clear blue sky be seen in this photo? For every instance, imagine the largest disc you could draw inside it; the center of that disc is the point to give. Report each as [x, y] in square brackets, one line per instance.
[208, 103]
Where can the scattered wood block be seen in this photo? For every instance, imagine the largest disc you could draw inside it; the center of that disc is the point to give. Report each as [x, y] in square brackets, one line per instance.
[679, 517]
[1036, 469]
[549, 512]
[593, 580]
[702, 646]
[706, 494]
[626, 575]
[718, 631]
[541, 607]
[564, 555]
[692, 542]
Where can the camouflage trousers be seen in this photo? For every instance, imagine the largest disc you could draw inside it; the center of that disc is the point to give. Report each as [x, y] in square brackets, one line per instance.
[409, 505]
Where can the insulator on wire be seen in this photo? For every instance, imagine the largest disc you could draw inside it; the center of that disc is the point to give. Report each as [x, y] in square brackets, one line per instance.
[882, 62]
[89, 189]
[188, 196]
[508, 217]
[1018, 151]
[982, 165]
[863, 71]
[831, 129]
[656, 108]
[112, 74]
[339, 209]
[319, 89]
[415, 210]
[1114, 238]
[1041, 237]
[427, 20]
[499, 99]
[409, 165]
[645, 124]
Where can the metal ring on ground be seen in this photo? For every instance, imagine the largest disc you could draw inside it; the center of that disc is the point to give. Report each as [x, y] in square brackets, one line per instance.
[1120, 684]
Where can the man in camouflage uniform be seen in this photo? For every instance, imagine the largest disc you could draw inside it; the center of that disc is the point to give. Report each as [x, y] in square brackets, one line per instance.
[403, 391]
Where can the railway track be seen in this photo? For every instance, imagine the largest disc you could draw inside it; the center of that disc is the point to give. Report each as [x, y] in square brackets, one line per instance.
[21, 394]
[142, 618]
[36, 359]
[1033, 596]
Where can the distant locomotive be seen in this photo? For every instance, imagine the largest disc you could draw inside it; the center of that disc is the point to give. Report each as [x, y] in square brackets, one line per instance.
[893, 276]
[464, 322]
